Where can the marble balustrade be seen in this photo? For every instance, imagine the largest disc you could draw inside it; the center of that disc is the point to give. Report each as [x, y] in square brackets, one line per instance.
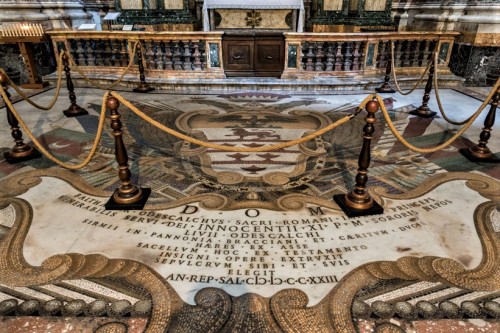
[199, 55]
[164, 54]
[324, 54]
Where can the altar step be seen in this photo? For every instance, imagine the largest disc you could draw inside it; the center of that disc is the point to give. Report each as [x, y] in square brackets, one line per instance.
[323, 85]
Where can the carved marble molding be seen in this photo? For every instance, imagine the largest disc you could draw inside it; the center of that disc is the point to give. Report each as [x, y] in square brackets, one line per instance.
[52, 14]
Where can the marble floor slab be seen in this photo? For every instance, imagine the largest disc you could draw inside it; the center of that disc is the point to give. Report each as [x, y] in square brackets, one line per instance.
[250, 242]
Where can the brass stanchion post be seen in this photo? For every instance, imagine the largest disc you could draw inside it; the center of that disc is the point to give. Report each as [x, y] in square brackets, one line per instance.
[74, 109]
[423, 110]
[386, 87]
[481, 152]
[143, 86]
[21, 151]
[128, 196]
[359, 202]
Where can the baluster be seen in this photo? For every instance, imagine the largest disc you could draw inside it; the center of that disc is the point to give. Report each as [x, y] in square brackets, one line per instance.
[481, 152]
[80, 51]
[98, 51]
[128, 196]
[398, 54]
[348, 57]
[329, 58]
[427, 53]
[414, 53]
[420, 53]
[112, 53]
[303, 48]
[150, 55]
[382, 54]
[124, 56]
[319, 66]
[203, 57]
[159, 56]
[168, 56]
[407, 53]
[339, 57]
[359, 202]
[196, 56]
[356, 56]
[89, 50]
[176, 58]
[187, 56]
[108, 53]
[310, 56]
[72, 49]
[21, 151]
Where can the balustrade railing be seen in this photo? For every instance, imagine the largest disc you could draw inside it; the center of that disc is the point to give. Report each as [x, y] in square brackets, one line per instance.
[199, 54]
[323, 54]
[164, 54]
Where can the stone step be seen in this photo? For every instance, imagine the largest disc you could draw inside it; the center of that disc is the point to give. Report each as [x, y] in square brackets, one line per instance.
[318, 85]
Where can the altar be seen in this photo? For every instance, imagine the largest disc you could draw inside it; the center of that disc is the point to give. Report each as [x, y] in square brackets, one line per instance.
[281, 15]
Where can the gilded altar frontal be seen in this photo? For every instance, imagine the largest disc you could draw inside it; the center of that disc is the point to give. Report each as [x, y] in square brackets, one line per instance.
[258, 166]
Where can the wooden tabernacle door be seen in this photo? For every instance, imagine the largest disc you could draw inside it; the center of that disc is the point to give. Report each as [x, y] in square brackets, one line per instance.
[253, 54]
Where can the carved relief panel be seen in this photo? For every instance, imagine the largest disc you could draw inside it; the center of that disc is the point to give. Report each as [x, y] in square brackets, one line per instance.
[253, 19]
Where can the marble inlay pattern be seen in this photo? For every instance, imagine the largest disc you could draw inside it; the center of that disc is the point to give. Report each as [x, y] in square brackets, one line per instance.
[236, 19]
[312, 270]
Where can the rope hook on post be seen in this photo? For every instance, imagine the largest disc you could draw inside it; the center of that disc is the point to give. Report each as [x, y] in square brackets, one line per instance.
[143, 86]
[21, 151]
[359, 202]
[480, 152]
[74, 109]
[128, 196]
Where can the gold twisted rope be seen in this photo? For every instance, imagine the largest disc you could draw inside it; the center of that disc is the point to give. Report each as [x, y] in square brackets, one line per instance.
[27, 99]
[43, 150]
[438, 99]
[168, 130]
[393, 70]
[449, 141]
[95, 84]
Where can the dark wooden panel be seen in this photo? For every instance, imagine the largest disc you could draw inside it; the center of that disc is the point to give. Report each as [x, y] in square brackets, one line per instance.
[253, 54]
[238, 55]
[269, 55]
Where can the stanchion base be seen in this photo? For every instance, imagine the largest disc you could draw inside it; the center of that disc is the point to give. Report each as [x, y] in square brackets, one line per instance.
[375, 209]
[75, 111]
[143, 89]
[12, 159]
[385, 90]
[423, 112]
[138, 205]
[473, 158]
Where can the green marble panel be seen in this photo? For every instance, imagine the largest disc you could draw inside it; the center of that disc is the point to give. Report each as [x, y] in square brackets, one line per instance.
[369, 56]
[292, 56]
[443, 52]
[214, 55]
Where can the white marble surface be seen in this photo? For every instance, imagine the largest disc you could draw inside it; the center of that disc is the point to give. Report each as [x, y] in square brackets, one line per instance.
[323, 247]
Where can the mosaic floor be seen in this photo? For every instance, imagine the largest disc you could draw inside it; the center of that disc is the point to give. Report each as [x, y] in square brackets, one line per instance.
[250, 242]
